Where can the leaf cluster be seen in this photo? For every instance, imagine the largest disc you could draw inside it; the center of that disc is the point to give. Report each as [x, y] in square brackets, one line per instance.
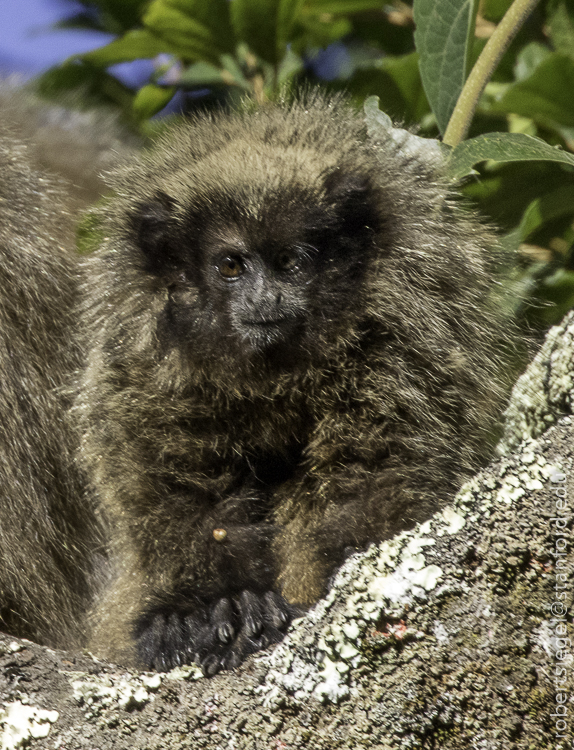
[494, 78]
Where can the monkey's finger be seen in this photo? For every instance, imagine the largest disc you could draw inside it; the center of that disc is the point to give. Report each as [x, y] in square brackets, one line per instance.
[250, 612]
[277, 610]
[222, 619]
[173, 646]
[211, 665]
[150, 644]
[243, 646]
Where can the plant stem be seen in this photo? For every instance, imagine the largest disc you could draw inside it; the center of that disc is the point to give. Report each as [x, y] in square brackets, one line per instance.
[489, 58]
[259, 88]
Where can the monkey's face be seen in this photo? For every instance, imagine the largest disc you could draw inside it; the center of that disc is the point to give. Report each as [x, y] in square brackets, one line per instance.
[259, 271]
[260, 291]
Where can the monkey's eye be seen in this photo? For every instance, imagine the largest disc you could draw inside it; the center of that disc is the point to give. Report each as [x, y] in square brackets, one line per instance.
[288, 260]
[231, 268]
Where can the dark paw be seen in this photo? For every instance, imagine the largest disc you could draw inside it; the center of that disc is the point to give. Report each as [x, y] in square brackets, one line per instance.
[216, 635]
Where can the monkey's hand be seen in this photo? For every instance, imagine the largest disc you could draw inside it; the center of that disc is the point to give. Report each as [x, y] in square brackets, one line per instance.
[216, 635]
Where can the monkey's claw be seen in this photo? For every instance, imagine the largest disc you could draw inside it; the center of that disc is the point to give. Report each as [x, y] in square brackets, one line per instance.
[217, 635]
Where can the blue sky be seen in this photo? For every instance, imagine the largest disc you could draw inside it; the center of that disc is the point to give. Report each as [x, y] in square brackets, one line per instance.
[28, 45]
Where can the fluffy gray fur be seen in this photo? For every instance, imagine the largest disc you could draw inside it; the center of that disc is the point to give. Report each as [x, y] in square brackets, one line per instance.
[48, 531]
[75, 143]
[292, 350]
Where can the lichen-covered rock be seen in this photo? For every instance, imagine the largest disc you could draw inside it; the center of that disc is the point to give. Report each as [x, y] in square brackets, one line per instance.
[460, 628]
[544, 392]
[455, 635]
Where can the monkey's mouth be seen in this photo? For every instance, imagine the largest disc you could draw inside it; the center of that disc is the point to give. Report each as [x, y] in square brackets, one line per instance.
[265, 332]
[268, 323]
[288, 320]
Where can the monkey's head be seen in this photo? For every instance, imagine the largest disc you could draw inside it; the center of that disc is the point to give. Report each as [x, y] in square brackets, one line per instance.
[262, 251]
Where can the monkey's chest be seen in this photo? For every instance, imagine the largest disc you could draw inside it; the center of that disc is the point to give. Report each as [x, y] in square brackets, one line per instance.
[262, 446]
[267, 469]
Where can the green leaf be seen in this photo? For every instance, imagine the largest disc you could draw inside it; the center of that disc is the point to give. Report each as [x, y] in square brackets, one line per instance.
[201, 29]
[373, 81]
[134, 45]
[201, 74]
[561, 25]
[405, 72]
[111, 16]
[80, 21]
[232, 72]
[557, 288]
[444, 38]
[384, 35]
[265, 25]
[151, 99]
[529, 58]
[397, 83]
[494, 10]
[97, 87]
[192, 38]
[560, 286]
[320, 31]
[290, 66]
[505, 189]
[558, 203]
[289, 10]
[546, 95]
[343, 7]
[118, 17]
[553, 205]
[502, 147]
[255, 23]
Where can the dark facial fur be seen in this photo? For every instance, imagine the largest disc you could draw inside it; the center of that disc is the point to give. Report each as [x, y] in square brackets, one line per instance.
[258, 272]
[293, 351]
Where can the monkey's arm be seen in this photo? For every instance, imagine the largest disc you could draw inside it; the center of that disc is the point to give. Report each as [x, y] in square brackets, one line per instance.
[328, 514]
[193, 551]
[366, 475]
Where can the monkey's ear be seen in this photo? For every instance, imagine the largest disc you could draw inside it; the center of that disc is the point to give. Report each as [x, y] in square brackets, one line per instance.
[355, 198]
[153, 224]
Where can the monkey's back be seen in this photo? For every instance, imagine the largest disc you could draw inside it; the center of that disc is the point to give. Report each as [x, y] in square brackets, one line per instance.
[66, 139]
[46, 528]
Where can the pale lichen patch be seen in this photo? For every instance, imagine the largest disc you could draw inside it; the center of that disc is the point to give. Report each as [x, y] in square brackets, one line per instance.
[99, 693]
[544, 393]
[20, 723]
